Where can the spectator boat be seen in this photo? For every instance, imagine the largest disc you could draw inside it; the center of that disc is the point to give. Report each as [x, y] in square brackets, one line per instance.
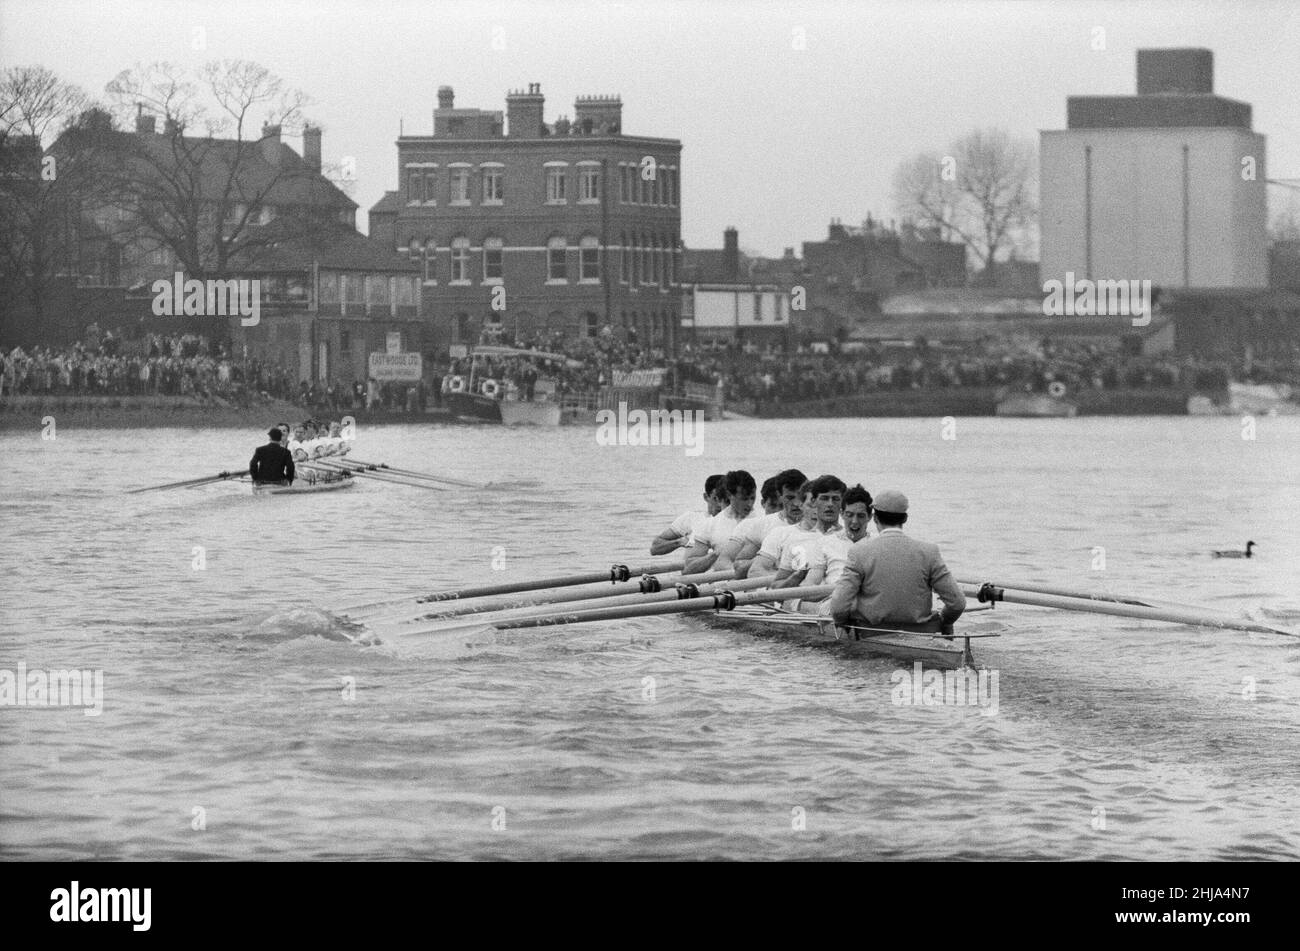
[481, 397]
[1258, 399]
[1037, 404]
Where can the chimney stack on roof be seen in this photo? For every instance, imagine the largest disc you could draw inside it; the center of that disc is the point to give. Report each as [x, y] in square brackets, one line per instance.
[525, 111]
[730, 254]
[271, 143]
[598, 115]
[446, 97]
[311, 147]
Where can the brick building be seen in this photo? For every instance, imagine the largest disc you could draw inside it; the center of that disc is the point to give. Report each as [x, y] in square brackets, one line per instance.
[329, 296]
[529, 231]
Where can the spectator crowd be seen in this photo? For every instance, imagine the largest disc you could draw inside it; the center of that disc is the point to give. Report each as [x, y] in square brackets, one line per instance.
[189, 365]
[157, 365]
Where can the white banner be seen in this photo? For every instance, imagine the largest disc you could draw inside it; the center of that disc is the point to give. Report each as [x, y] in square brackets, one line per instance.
[639, 378]
[386, 367]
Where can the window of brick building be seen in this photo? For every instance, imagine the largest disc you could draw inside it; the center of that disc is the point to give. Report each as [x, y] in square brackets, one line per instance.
[555, 183]
[460, 184]
[589, 260]
[624, 259]
[493, 184]
[428, 261]
[493, 252]
[460, 260]
[329, 287]
[556, 263]
[589, 183]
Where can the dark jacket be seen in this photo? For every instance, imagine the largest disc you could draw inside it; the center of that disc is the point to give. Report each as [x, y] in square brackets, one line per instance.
[271, 463]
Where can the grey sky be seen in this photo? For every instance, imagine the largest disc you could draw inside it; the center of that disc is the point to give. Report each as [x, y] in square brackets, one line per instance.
[776, 140]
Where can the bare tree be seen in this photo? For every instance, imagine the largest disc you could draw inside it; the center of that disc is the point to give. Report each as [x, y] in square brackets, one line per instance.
[204, 185]
[34, 104]
[981, 193]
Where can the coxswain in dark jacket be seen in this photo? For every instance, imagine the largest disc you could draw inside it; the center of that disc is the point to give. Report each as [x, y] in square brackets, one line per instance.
[272, 462]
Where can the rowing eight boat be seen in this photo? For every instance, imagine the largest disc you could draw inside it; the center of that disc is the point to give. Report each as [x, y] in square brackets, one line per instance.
[300, 486]
[930, 648]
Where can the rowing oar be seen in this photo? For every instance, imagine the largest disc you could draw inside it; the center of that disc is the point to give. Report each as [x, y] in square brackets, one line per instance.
[992, 593]
[191, 482]
[378, 477]
[646, 584]
[418, 475]
[721, 601]
[679, 592]
[613, 574]
[1065, 593]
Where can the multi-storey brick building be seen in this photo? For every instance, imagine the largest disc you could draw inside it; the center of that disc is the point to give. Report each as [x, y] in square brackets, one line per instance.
[532, 232]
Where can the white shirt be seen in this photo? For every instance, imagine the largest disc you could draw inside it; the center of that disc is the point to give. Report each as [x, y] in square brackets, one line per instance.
[775, 541]
[300, 450]
[718, 530]
[800, 548]
[756, 530]
[831, 556]
[688, 524]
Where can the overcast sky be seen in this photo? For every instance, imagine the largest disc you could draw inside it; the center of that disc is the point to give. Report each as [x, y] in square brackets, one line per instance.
[777, 140]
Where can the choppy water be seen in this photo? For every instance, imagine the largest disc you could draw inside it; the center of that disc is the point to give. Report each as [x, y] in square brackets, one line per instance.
[224, 686]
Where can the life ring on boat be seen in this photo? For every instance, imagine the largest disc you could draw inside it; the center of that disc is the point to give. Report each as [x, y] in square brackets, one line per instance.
[457, 385]
[490, 388]
[1056, 389]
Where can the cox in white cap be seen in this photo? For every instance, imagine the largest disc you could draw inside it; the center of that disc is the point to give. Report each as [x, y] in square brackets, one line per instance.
[891, 501]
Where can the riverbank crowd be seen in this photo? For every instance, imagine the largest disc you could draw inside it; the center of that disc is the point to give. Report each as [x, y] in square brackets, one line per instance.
[155, 366]
[190, 365]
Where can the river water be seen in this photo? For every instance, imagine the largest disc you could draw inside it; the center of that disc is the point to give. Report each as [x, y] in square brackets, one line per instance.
[238, 721]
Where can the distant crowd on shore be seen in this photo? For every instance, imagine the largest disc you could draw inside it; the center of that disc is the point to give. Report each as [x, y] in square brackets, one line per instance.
[1049, 366]
[190, 365]
[159, 365]
[775, 376]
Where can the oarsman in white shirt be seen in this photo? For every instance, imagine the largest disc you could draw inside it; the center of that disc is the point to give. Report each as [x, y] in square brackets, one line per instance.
[341, 446]
[299, 446]
[681, 533]
[768, 558]
[827, 564]
[748, 540]
[825, 498]
[715, 533]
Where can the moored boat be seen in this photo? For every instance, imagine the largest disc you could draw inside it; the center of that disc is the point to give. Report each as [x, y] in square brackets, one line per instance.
[1036, 405]
[1259, 399]
[482, 398]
